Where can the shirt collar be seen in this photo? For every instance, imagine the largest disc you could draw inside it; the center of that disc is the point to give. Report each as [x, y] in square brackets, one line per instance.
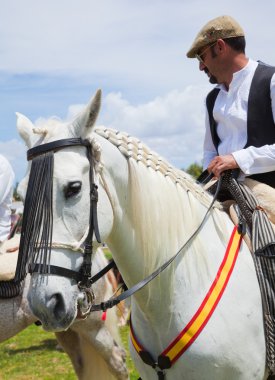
[240, 75]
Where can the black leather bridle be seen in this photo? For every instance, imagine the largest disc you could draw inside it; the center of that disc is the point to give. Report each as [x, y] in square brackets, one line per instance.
[83, 277]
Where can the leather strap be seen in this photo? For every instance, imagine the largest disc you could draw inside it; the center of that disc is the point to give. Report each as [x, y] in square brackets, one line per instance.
[64, 272]
[128, 293]
[54, 146]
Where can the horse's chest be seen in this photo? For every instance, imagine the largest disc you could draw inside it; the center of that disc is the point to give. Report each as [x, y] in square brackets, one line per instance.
[209, 357]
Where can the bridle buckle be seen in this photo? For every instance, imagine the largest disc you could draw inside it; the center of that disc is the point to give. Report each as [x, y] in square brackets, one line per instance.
[88, 300]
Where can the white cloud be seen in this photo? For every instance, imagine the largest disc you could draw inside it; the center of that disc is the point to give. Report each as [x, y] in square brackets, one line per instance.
[165, 115]
[172, 125]
[133, 43]
[169, 125]
[135, 50]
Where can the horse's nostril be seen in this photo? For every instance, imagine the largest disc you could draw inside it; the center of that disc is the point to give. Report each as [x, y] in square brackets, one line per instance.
[57, 305]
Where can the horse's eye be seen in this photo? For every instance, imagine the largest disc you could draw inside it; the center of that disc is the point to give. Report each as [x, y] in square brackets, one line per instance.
[72, 189]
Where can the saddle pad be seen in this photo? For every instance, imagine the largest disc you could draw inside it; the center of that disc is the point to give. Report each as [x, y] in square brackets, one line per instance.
[8, 260]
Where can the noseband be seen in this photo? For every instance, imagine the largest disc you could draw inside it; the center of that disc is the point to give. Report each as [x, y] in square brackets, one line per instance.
[83, 277]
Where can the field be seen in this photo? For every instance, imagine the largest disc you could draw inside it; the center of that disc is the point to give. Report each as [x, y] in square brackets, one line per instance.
[32, 355]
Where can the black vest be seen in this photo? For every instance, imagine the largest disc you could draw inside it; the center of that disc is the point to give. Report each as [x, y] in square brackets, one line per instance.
[260, 123]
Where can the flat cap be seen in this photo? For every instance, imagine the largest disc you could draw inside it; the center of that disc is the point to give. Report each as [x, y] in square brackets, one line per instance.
[220, 27]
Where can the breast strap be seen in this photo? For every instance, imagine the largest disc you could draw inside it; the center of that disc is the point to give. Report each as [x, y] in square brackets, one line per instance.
[197, 323]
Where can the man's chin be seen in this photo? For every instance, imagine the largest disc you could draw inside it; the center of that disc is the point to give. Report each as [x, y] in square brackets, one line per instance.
[212, 79]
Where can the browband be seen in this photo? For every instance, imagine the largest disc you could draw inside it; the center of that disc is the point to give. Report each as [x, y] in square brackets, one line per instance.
[54, 146]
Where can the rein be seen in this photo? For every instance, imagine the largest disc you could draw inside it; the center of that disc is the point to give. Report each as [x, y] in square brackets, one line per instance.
[129, 292]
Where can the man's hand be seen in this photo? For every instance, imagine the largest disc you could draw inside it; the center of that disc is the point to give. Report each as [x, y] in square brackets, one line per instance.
[221, 163]
[13, 249]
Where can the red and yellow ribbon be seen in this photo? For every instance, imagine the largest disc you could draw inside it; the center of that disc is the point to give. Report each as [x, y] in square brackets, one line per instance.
[191, 331]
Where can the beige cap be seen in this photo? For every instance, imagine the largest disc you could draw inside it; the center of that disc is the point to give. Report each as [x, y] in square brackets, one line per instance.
[220, 27]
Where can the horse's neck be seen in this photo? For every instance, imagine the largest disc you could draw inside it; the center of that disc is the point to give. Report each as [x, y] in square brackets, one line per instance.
[153, 219]
[192, 272]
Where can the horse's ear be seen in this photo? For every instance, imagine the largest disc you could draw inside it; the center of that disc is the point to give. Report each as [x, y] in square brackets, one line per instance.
[25, 128]
[84, 122]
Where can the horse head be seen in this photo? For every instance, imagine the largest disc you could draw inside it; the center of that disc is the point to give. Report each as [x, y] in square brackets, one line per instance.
[61, 227]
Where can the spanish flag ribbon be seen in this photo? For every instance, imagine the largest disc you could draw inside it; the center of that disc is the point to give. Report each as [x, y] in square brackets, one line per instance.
[194, 327]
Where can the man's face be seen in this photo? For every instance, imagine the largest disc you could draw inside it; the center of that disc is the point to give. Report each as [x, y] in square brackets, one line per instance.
[206, 58]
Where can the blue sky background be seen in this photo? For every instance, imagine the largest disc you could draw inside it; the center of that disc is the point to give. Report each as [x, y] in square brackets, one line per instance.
[56, 53]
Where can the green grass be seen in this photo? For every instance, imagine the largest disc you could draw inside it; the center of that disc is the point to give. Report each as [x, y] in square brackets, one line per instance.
[32, 355]
[107, 253]
[124, 333]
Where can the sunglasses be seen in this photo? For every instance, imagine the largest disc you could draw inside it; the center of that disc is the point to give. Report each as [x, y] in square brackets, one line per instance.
[200, 56]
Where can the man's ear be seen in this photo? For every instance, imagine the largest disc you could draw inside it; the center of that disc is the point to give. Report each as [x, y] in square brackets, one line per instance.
[221, 45]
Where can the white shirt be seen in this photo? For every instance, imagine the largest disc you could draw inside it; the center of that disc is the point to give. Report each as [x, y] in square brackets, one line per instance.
[6, 191]
[230, 113]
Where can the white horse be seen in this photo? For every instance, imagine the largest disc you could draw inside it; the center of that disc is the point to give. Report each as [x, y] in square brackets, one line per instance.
[146, 211]
[91, 344]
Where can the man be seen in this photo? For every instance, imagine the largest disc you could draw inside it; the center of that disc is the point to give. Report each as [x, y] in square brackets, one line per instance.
[240, 127]
[6, 192]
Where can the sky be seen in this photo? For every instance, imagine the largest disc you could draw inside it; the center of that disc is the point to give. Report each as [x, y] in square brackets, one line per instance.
[54, 54]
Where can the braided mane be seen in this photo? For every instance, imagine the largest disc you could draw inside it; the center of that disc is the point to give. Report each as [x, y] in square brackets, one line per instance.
[131, 147]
